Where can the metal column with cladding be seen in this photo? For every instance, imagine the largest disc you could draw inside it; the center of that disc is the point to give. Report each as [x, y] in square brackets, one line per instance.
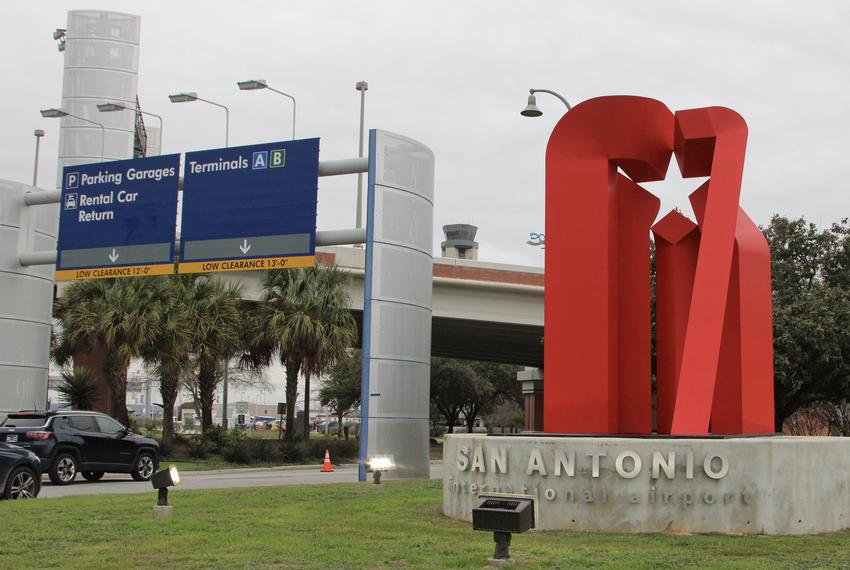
[397, 304]
[26, 301]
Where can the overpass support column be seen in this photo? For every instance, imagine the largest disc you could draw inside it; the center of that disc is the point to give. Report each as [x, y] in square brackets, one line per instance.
[397, 304]
[26, 300]
[532, 391]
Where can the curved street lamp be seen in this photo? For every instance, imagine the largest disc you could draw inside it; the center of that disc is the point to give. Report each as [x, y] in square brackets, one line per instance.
[254, 84]
[188, 97]
[117, 106]
[57, 113]
[531, 110]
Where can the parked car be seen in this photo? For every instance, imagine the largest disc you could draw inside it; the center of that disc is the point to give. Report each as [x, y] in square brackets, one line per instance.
[70, 442]
[20, 473]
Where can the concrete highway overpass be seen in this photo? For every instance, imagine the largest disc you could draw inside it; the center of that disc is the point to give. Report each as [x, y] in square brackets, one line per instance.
[481, 311]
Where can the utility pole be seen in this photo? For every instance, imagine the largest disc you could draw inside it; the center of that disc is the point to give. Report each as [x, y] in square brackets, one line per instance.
[38, 134]
[224, 394]
[361, 86]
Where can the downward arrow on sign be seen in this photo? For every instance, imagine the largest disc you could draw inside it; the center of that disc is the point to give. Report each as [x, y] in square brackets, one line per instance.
[245, 247]
[113, 257]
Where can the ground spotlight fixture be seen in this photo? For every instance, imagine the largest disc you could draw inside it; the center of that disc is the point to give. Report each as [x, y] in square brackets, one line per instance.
[377, 464]
[162, 480]
[183, 97]
[503, 514]
[252, 84]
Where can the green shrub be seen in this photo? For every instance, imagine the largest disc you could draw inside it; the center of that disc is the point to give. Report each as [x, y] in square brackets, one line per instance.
[250, 450]
[216, 438]
[79, 389]
[166, 449]
[197, 447]
[295, 451]
[263, 450]
[339, 449]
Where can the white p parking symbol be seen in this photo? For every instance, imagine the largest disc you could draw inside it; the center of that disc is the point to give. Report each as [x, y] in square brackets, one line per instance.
[72, 180]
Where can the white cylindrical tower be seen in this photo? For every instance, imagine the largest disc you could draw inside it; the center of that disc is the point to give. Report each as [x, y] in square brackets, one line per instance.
[101, 64]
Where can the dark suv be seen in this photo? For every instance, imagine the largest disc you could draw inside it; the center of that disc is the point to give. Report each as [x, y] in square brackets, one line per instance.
[87, 442]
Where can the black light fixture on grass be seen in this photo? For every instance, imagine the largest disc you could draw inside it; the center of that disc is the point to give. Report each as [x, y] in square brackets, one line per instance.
[162, 480]
[503, 515]
[377, 464]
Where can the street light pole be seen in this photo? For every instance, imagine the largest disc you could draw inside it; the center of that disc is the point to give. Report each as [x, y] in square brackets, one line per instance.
[188, 97]
[361, 86]
[57, 113]
[224, 393]
[531, 109]
[114, 106]
[254, 84]
[38, 134]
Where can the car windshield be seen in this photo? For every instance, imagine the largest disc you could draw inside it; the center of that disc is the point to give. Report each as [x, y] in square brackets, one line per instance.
[24, 421]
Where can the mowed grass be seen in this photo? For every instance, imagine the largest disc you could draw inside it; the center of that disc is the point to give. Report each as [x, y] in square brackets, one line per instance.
[348, 526]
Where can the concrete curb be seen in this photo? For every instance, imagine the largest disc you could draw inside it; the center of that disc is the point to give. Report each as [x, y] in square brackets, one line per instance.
[306, 467]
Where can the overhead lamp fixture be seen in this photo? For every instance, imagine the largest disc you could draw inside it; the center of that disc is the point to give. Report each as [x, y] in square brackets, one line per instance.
[57, 113]
[192, 96]
[531, 110]
[255, 84]
[111, 106]
[183, 97]
[53, 113]
[252, 84]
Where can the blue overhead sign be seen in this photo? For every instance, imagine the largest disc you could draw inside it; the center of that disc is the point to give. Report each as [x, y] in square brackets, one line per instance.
[117, 218]
[250, 207]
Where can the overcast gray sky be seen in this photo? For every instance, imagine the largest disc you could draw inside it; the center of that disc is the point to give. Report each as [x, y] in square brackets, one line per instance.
[454, 75]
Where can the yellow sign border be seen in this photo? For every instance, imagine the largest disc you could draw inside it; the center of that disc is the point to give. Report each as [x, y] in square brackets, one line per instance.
[114, 272]
[251, 264]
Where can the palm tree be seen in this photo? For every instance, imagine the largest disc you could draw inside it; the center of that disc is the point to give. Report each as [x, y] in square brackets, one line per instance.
[117, 316]
[214, 323]
[79, 388]
[305, 317]
[168, 351]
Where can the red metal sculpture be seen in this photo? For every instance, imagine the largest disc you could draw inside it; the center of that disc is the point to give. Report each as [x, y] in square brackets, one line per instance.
[714, 336]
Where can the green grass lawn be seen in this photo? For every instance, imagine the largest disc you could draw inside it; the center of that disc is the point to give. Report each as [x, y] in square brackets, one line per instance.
[347, 526]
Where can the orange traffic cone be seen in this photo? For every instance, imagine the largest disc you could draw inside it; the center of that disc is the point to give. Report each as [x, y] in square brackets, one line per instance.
[326, 468]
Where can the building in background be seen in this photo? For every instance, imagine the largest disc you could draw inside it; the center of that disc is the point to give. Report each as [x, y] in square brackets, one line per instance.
[101, 65]
[460, 241]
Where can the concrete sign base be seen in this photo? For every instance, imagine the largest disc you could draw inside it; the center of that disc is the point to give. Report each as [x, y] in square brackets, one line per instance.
[743, 485]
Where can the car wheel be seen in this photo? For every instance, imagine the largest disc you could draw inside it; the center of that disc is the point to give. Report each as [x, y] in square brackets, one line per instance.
[92, 475]
[64, 469]
[22, 484]
[144, 467]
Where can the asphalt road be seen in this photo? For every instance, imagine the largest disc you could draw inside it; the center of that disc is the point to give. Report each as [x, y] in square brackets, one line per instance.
[220, 479]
